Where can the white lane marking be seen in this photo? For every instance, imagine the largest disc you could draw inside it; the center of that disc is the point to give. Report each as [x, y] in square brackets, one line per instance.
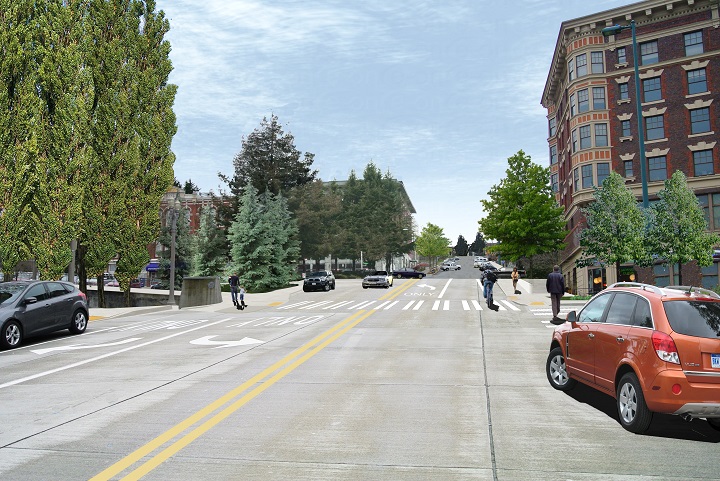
[362, 305]
[442, 293]
[477, 305]
[316, 305]
[465, 305]
[207, 341]
[407, 306]
[436, 305]
[297, 304]
[417, 306]
[89, 346]
[380, 306]
[446, 306]
[109, 354]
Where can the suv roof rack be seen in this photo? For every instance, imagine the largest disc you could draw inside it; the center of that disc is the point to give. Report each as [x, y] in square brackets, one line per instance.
[647, 287]
[696, 290]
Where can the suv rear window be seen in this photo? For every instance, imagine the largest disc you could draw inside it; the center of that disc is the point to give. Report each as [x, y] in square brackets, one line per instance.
[694, 318]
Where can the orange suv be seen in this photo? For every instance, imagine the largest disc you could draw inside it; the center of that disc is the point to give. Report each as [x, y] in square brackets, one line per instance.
[653, 349]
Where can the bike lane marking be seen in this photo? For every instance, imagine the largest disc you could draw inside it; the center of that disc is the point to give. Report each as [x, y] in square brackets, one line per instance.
[104, 356]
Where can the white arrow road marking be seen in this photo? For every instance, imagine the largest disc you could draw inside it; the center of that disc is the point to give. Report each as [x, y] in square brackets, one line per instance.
[206, 341]
[73, 347]
[432, 288]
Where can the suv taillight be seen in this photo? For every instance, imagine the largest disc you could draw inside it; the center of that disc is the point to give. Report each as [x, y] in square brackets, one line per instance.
[665, 347]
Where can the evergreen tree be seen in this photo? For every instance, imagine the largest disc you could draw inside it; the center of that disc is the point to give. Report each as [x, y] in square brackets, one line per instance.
[461, 248]
[615, 231]
[209, 246]
[522, 214]
[264, 248]
[679, 231]
[317, 207]
[478, 245]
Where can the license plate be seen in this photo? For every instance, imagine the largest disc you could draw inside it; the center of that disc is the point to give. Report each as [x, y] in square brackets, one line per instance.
[313, 283]
[715, 360]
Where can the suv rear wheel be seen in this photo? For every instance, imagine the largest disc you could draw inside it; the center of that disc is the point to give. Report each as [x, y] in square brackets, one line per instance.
[634, 413]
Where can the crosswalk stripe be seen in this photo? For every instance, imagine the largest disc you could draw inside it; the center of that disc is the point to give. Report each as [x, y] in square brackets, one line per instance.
[339, 304]
[477, 305]
[512, 306]
[297, 304]
[316, 305]
[419, 303]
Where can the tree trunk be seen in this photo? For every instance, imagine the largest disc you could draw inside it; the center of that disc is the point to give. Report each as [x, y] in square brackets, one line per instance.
[101, 291]
[680, 274]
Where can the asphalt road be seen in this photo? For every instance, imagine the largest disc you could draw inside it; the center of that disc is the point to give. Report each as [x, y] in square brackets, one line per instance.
[416, 382]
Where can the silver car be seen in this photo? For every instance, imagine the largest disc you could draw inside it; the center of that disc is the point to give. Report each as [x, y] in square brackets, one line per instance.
[378, 279]
[31, 308]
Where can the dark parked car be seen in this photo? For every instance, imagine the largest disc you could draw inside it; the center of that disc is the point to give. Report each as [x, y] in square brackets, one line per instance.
[30, 308]
[407, 274]
[319, 281]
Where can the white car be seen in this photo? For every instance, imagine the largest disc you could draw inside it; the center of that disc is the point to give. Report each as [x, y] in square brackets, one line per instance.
[378, 279]
[450, 266]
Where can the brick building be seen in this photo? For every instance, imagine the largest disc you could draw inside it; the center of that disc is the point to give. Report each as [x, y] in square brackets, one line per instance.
[592, 122]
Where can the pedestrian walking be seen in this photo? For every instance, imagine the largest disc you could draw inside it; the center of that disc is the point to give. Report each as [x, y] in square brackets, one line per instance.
[241, 304]
[234, 282]
[555, 285]
[515, 276]
[488, 284]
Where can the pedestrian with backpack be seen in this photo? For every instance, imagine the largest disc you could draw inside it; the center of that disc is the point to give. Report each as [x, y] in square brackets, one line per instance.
[490, 280]
[234, 282]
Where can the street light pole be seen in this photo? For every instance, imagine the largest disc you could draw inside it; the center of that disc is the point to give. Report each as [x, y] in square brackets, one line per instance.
[638, 104]
[173, 230]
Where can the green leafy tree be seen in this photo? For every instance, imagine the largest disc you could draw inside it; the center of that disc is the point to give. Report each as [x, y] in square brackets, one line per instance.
[432, 243]
[209, 246]
[522, 214]
[615, 231]
[43, 111]
[264, 249]
[679, 232]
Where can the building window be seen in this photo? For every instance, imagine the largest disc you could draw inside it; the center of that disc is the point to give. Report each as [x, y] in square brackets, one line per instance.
[625, 127]
[553, 154]
[705, 205]
[598, 98]
[601, 136]
[703, 161]
[571, 70]
[598, 62]
[552, 125]
[652, 90]
[576, 177]
[710, 276]
[554, 182]
[585, 141]
[574, 141]
[587, 177]
[693, 43]
[649, 53]
[603, 172]
[624, 91]
[581, 65]
[583, 100]
[654, 128]
[700, 120]
[622, 58]
[657, 168]
[572, 105]
[697, 81]
[716, 210]
[628, 168]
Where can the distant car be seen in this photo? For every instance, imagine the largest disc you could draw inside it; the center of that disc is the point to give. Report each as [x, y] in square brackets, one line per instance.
[160, 285]
[655, 350]
[378, 279]
[450, 266]
[319, 281]
[31, 308]
[407, 274]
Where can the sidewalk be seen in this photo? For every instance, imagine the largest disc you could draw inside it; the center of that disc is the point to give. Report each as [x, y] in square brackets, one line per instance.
[533, 293]
[264, 299]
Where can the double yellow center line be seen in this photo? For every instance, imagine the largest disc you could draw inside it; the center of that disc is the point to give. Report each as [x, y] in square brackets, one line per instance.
[280, 370]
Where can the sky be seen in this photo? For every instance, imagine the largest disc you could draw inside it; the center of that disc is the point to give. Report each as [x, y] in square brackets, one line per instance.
[437, 93]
